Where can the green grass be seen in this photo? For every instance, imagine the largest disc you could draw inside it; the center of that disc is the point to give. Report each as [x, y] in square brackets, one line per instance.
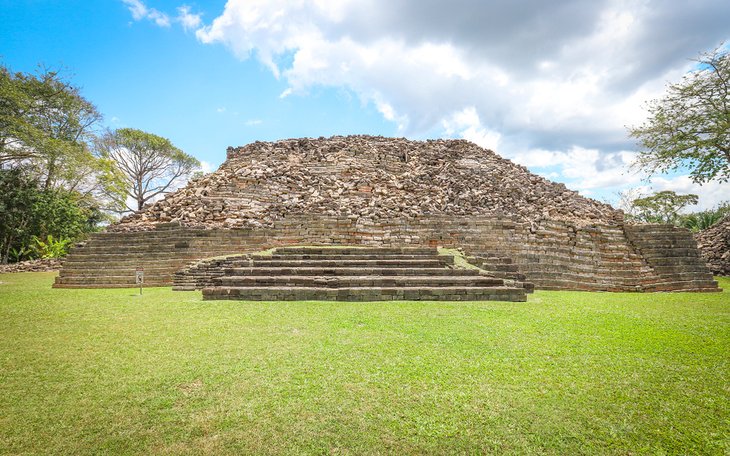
[460, 261]
[108, 371]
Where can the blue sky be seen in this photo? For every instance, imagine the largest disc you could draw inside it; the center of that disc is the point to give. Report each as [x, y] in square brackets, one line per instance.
[550, 85]
[163, 80]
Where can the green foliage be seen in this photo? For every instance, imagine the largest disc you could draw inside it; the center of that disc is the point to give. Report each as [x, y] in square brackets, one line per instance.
[31, 213]
[51, 247]
[688, 128]
[702, 220]
[142, 165]
[20, 253]
[46, 125]
[565, 373]
[18, 197]
[662, 207]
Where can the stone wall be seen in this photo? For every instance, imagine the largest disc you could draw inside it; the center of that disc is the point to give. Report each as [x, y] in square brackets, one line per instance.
[714, 243]
[552, 254]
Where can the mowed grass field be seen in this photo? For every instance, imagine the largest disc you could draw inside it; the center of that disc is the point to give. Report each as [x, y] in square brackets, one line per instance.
[111, 372]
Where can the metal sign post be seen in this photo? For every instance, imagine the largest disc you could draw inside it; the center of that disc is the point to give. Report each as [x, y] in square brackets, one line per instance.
[139, 278]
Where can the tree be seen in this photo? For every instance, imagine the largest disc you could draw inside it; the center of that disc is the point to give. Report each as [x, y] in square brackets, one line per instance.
[144, 165]
[18, 196]
[30, 212]
[698, 221]
[690, 126]
[47, 126]
[662, 207]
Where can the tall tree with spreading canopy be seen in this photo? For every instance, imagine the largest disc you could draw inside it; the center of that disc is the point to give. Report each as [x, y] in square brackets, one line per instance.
[662, 207]
[690, 126]
[47, 127]
[145, 165]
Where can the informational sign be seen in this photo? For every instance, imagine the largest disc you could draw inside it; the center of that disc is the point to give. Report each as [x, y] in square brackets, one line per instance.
[139, 278]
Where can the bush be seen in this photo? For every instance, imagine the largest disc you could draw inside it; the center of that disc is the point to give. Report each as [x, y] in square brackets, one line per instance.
[699, 221]
[39, 222]
[51, 247]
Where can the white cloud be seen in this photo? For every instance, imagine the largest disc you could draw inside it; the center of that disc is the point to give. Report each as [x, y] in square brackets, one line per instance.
[467, 125]
[140, 11]
[253, 122]
[207, 167]
[711, 194]
[547, 84]
[188, 20]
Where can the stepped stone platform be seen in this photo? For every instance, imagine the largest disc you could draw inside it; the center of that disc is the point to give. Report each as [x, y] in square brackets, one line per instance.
[553, 256]
[390, 193]
[349, 274]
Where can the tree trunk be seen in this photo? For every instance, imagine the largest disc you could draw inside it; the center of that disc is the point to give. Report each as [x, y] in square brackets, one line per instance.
[49, 176]
[140, 196]
[6, 254]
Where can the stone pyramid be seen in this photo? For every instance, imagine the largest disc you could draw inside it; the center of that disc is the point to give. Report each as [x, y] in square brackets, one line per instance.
[368, 178]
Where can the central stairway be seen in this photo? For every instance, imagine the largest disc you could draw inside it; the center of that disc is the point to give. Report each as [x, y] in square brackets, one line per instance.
[358, 274]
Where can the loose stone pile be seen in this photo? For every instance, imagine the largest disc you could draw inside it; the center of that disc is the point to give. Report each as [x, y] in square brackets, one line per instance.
[366, 178]
[714, 243]
[44, 265]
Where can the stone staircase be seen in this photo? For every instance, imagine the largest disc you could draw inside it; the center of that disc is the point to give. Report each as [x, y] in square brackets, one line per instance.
[674, 258]
[503, 267]
[109, 259]
[352, 274]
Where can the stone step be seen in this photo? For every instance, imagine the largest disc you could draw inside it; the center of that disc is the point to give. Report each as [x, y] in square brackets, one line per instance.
[113, 279]
[110, 285]
[347, 250]
[507, 275]
[122, 255]
[685, 269]
[684, 285]
[360, 281]
[346, 271]
[669, 252]
[366, 294]
[126, 248]
[491, 260]
[131, 263]
[115, 272]
[350, 257]
[500, 267]
[384, 263]
[677, 261]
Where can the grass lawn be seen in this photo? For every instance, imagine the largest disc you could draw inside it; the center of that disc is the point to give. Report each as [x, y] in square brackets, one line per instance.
[108, 371]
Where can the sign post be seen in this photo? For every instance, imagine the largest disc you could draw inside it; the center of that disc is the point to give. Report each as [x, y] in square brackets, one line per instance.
[139, 278]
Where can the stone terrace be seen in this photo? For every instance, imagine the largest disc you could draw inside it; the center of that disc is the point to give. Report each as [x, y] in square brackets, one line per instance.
[391, 192]
[357, 274]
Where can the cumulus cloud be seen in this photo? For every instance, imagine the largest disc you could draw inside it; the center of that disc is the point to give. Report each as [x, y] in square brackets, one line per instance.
[207, 167]
[140, 11]
[547, 84]
[712, 193]
[189, 20]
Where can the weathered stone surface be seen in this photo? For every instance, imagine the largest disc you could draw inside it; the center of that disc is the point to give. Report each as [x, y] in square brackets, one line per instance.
[556, 255]
[380, 192]
[44, 265]
[714, 244]
[287, 274]
[369, 179]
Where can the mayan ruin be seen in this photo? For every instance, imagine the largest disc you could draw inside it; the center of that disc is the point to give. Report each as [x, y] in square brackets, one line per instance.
[378, 192]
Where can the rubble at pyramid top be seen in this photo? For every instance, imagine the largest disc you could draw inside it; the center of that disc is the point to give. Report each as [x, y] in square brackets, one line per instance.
[366, 178]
